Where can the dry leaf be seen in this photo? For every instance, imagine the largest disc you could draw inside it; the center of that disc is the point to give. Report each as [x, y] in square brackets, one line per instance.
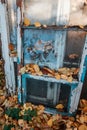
[69, 124]
[26, 22]
[81, 26]
[1, 111]
[41, 107]
[82, 127]
[21, 122]
[36, 68]
[37, 24]
[56, 117]
[70, 79]
[57, 76]
[27, 106]
[12, 128]
[59, 106]
[50, 122]
[22, 70]
[2, 99]
[1, 92]
[82, 119]
[84, 109]
[73, 56]
[75, 128]
[64, 77]
[69, 129]
[83, 103]
[61, 70]
[2, 120]
[39, 73]
[11, 46]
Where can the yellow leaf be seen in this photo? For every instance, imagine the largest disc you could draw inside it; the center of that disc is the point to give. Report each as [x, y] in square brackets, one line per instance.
[37, 24]
[50, 122]
[26, 22]
[59, 106]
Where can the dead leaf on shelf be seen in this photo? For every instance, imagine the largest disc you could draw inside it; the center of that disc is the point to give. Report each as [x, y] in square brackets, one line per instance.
[81, 26]
[37, 24]
[26, 22]
[59, 106]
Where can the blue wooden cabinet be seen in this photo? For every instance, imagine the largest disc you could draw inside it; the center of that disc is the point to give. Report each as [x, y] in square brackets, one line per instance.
[44, 89]
[51, 46]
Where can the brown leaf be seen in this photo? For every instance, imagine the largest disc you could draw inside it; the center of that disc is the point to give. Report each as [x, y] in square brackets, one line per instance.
[11, 46]
[59, 106]
[21, 122]
[50, 122]
[82, 127]
[81, 26]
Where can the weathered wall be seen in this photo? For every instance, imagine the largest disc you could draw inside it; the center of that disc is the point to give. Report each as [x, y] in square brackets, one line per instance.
[41, 10]
[78, 12]
[46, 11]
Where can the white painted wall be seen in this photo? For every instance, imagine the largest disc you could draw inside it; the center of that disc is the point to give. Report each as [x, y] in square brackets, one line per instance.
[78, 12]
[46, 11]
[41, 10]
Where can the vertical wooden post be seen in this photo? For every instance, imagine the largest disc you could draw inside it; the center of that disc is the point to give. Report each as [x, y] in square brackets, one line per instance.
[19, 46]
[5, 51]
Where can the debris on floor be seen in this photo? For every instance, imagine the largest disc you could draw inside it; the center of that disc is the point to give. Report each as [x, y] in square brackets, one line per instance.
[14, 116]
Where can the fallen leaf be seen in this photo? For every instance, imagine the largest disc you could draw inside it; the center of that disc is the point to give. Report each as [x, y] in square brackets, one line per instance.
[50, 122]
[59, 106]
[26, 22]
[82, 127]
[81, 26]
[37, 24]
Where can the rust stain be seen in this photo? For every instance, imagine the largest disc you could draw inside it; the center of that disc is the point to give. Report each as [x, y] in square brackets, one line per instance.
[19, 67]
[19, 3]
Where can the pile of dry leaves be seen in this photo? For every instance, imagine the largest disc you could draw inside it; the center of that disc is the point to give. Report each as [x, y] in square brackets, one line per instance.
[64, 73]
[31, 117]
[28, 116]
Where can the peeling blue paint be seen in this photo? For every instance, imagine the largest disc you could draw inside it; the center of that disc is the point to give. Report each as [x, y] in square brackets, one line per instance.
[43, 47]
[84, 69]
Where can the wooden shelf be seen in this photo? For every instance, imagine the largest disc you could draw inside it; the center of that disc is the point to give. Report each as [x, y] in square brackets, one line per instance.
[49, 79]
[54, 27]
